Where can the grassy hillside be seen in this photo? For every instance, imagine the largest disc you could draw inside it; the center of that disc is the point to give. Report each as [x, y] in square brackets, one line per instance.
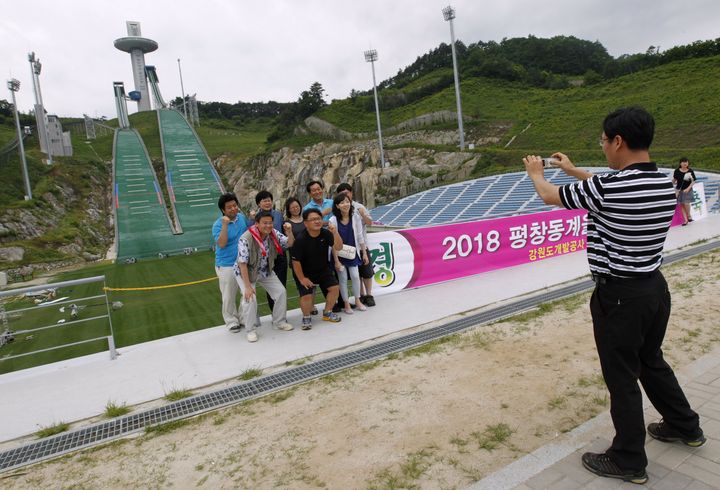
[681, 96]
[71, 180]
[219, 137]
[7, 133]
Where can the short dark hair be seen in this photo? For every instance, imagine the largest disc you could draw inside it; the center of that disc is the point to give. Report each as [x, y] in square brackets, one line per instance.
[262, 214]
[262, 195]
[337, 200]
[344, 187]
[635, 125]
[225, 198]
[310, 211]
[288, 202]
[312, 183]
[684, 159]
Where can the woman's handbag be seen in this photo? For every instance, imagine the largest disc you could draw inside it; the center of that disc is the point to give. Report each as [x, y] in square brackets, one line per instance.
[347, 252]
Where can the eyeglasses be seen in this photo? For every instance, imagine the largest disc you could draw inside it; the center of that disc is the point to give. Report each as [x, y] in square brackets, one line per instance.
[603, 140]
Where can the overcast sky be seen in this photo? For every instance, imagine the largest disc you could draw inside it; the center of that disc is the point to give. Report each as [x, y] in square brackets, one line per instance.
[264, 50]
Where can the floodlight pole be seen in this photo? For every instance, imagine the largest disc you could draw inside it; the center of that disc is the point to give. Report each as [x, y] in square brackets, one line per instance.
[449, 15]
[35, 68]
[371, 56]
[182, 89]
[14, 86]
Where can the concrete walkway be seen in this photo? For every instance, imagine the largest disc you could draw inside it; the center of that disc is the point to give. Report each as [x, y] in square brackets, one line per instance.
[557, 465]
[672, 466]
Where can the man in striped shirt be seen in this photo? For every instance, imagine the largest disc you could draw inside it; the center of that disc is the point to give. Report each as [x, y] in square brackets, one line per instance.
[629, 214]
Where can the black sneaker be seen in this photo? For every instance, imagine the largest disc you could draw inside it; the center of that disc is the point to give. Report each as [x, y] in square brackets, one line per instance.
[602, 465]
[368, 300]
[337, 308]
[663, 432]
[235, 328]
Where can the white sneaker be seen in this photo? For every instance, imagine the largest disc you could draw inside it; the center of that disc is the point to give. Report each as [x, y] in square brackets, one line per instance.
[284, 326]
[252, 336]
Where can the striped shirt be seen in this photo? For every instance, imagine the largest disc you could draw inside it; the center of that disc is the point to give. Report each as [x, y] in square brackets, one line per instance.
[629, 215]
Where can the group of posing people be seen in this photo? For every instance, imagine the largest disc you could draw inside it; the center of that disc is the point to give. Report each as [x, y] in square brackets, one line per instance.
[327, 243]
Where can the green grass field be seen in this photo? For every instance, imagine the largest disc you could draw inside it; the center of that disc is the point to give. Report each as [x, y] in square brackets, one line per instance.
[145, 315]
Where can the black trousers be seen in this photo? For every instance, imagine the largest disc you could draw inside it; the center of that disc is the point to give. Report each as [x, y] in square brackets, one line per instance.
[630, 317]
[280, 268]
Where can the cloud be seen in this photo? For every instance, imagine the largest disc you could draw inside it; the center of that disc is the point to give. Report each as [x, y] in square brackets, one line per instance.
[257, 51]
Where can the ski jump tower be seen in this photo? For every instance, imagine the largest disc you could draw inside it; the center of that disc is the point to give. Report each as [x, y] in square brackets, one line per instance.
[137, 46]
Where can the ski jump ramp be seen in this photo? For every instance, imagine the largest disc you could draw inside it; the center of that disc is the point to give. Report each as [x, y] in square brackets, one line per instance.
[143, 223]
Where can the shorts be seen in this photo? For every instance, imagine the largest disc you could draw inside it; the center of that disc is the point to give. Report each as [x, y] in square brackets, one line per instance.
[325, 280]
[366, 271]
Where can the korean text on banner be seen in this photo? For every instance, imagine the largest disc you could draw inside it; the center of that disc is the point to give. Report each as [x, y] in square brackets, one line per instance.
[421, 256]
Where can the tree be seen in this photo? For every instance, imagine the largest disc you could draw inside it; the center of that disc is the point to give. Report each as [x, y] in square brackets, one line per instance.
[311, 100]
[292, 114]
[5, 108]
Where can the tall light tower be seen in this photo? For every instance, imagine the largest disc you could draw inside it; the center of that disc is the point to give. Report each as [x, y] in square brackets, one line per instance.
[14, 86]
[137, 46]
[449, 15]
[371, 56]
[41, 118]
[182, 90]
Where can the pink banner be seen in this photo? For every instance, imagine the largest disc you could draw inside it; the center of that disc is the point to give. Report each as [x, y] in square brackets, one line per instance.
[420, 256]
[453, 251]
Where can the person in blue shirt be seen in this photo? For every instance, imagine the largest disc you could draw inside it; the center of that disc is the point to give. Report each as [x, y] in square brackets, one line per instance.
[315, 189]
[226, 233]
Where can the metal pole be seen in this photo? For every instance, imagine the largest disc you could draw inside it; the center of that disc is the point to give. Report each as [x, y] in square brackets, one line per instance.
[182, 89]
[14, 86]
[449, 15]
[371, 56]
[111, 337]
[35, 68]
[377, 116]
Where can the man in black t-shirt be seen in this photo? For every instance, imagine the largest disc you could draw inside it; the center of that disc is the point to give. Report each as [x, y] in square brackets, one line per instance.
[311, 266]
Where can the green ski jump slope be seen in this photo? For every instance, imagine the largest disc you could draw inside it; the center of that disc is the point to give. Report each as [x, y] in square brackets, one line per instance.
[143, 227]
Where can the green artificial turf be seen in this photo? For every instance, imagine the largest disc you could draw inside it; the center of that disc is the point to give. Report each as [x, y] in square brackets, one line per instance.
[146, 314]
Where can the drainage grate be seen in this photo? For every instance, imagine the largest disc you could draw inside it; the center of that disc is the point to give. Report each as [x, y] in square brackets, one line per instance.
[104, 432]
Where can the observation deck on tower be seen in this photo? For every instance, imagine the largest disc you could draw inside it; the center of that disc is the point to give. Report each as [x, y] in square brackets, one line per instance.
[137, 46]
[129, 43]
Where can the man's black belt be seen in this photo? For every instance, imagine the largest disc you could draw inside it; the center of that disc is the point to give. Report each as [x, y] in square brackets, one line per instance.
[606, 278]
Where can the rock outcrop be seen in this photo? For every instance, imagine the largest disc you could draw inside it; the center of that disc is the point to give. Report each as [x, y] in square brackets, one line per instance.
[286, 172]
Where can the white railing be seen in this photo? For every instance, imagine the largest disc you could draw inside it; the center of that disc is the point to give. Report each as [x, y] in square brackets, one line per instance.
[7, 335]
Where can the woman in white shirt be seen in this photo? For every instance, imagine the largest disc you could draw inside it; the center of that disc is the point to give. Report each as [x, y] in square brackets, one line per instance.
[349, 227]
